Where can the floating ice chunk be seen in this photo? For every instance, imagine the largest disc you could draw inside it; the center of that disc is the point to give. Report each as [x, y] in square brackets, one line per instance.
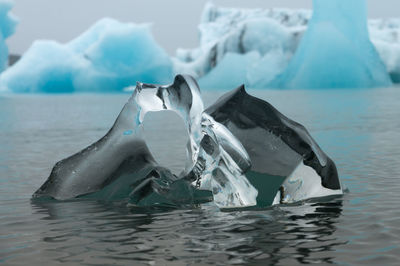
[46, 67]
[8, 23]
[280, 149]
[109, 56]
[120, 166]
[241, 152]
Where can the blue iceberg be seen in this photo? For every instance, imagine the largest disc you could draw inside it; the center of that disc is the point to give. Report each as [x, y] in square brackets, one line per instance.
[260, 44]
[335, 51]
[272, 48]
[8, 23]
[249, 46]
[109, 56]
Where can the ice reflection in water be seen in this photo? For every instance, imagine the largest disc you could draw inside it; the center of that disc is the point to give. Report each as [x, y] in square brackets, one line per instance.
[115, 234]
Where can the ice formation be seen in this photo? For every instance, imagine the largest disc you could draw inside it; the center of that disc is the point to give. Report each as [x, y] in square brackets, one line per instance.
[109, 56]
[251, 46]
[241, 152]
[385, 35]
[260, 44]
[120, 165]
[7, 27]
[335, 51]
[286, 161]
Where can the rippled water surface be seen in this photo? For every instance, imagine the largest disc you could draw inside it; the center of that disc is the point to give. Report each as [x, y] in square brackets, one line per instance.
[359, 129]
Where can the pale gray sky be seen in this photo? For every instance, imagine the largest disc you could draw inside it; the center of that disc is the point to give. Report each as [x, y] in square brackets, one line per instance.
[174, 21]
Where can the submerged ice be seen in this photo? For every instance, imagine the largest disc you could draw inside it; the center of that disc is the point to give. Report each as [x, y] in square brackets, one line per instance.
[8, 23]
[120, 165]
[287, 163]
[241, 152]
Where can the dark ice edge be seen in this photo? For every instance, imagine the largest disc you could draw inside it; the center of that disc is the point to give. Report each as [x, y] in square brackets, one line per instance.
[247, 111]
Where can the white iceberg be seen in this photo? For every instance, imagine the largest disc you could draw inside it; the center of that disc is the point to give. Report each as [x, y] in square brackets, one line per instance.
[385, 35]
[8, 23]
[229, 37]
[109, 56]
[251, 46]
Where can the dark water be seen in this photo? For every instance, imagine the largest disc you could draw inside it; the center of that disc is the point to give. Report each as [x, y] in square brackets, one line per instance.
[359, 129]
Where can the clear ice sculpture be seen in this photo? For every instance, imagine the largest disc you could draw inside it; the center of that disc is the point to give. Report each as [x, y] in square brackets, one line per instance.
[241, 152]
[120, 165]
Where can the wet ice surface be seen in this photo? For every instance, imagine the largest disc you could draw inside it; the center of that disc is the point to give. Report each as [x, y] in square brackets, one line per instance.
[359, 130]
[120, 166]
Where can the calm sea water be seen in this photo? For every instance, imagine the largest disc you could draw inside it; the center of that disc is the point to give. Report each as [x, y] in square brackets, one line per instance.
[359, 129]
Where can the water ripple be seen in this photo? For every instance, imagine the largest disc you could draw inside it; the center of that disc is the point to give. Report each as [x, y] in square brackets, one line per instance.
[361, 134]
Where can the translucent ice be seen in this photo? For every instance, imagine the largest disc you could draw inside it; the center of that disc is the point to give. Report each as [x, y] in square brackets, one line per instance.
[230, 38]
[241, 152]
[109, 56]
[120, 166]
[287, 163]
[251, 69]
[250, 46]
[255, 45]
[7, 27]
[335, 51]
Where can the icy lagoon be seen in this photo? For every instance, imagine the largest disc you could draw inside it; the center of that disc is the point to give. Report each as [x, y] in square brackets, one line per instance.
[359, 129]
